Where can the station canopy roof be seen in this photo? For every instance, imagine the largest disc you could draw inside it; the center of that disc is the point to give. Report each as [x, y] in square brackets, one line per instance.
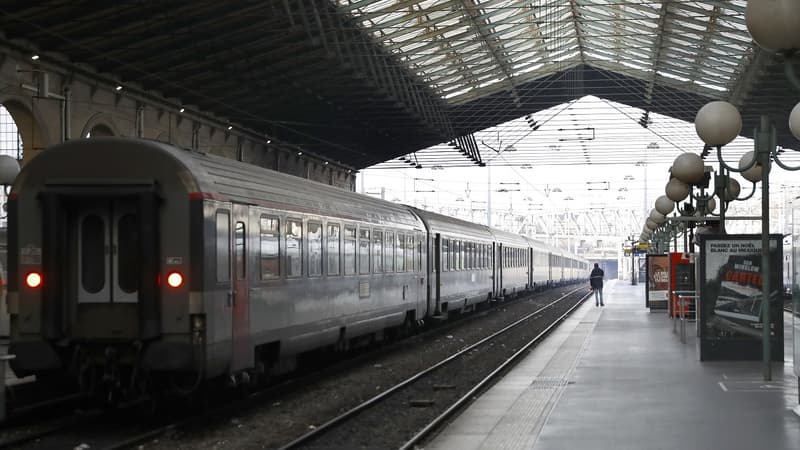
[364, 81]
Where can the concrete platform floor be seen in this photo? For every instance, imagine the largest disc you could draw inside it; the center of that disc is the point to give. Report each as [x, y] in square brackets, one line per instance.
[619, 378]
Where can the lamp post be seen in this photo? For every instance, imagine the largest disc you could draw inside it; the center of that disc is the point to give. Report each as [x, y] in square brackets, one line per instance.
[773, 25]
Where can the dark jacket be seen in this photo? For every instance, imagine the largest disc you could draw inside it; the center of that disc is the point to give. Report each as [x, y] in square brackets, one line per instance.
[596, 278]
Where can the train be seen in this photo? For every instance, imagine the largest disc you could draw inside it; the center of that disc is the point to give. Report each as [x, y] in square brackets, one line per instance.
[135, 265]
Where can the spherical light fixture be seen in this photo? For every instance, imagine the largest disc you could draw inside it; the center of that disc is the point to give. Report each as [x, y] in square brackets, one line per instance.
[752, 174]
[718, 123]
[677, 190]
[9, 169]
[711, 205]
[794, 121]
[732, 190]
[664, 205]
[773, 23]
[688, 168]
[651, 224]
[657, 217]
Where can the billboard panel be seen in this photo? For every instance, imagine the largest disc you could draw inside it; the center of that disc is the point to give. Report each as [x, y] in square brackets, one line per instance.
[731, 297]
[657, 281]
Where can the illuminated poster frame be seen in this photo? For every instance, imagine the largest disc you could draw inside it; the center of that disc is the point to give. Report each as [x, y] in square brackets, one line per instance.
[657, 289]
[730, 297]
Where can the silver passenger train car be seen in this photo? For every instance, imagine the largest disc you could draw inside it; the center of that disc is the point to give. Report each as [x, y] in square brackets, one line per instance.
[134, 263]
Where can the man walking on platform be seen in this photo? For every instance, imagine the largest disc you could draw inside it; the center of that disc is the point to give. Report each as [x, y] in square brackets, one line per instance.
[596, 282]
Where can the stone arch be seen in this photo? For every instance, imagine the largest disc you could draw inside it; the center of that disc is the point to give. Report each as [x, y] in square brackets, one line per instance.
[99, 124]
[29, 124]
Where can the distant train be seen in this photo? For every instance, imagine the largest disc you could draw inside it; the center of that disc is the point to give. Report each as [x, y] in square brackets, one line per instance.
[136, 265]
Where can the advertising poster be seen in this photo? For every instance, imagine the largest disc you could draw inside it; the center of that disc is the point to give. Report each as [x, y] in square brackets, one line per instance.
[657, 281]
[731, 297]
[796, 288]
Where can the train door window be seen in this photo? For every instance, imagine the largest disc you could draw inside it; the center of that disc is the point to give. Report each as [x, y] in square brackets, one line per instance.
[294, 246]
[460, 255]
[410, 253]
[388, 251]
[270, 239]
[444, 261]
[314, 249]
[223, 247]
[363, 250]
[93, 253]
[349, 250]
[419, 252]
[128, 253]
[334, 231]
[377, 251]
[239, 250]
[400, 260]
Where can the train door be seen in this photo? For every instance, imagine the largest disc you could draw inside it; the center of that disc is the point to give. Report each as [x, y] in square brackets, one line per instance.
[420, 264]
[106, 237]
[530, 268]
[242, 355]
[437, 273]
[499, 261]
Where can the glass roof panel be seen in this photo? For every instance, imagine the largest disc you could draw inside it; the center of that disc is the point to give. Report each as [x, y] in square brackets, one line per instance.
[470, 48]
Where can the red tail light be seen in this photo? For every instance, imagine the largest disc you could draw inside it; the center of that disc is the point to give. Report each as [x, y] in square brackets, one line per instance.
[175, 279]
[33, 280]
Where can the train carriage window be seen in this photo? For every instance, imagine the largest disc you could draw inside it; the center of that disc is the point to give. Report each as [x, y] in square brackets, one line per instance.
[223, 246]
[377, 251]
[334, 231]
[294, 248]
[456, 253]
[349, 250]
[410, 253]
[239, 251]
[388, 251]
[363, 250]
[93, 259]
[314, 249]
[473, 255]
[400, 246]
[270, 238]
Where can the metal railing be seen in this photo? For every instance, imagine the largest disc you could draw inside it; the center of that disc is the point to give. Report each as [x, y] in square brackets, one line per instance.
[685, 298]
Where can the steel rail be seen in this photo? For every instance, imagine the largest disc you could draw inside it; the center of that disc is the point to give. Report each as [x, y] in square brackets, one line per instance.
[325, 427]
[469, 396]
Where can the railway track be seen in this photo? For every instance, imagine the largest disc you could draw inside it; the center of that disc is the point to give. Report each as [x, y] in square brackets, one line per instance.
[118, 431]
[437, 392]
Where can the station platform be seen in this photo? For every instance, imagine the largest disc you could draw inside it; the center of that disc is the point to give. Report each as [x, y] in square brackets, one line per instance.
[618, 377]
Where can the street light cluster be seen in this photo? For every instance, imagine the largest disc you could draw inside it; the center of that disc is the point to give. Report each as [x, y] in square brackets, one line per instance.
[773, 25]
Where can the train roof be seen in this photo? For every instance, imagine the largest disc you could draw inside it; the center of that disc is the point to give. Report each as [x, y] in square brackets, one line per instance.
[207, 175]
[506, 238]
[439, 223]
